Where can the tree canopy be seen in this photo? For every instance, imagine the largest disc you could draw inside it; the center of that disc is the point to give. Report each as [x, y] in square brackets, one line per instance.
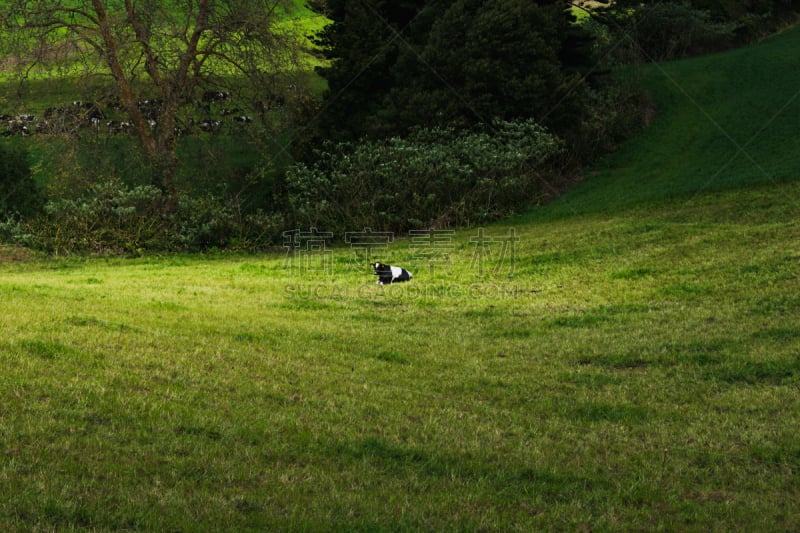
[450, 63]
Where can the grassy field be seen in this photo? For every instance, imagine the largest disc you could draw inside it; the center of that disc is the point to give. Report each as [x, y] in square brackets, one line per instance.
[631, 371]
[721, 121]
[632, 362]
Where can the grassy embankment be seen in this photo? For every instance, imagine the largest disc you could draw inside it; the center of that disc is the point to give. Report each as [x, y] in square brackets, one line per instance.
[637, 368]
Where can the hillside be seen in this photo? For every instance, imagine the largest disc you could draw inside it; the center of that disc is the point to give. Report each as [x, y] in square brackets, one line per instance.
[721, 121]
[625, 359]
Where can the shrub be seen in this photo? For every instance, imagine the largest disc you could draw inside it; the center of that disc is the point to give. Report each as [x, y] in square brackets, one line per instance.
[618, 112]
[670, 30]
[434, 177]
[19, 194]
[202, 223]
[109, 219]
[114, 219]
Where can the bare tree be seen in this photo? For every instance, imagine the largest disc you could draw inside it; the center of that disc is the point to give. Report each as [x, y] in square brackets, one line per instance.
[164, 52]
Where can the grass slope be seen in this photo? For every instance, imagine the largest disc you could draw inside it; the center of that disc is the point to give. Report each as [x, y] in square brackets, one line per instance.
[621, 368]
[723, 121]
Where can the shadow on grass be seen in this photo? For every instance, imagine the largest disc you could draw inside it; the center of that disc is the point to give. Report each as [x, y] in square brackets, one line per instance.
[503, 480]
[714, 359]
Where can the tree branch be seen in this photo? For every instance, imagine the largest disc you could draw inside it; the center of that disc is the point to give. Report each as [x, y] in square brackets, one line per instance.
[143, 38]
[127, 96]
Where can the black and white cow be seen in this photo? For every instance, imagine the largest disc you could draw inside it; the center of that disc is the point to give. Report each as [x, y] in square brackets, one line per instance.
[390, 274]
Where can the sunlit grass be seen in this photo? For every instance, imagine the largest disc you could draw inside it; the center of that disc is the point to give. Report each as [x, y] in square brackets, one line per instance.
[631, 364]
[625, 371]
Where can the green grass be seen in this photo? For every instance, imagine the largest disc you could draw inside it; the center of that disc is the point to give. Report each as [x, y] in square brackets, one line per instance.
[722, 121]
[633, 365]
[632, 371]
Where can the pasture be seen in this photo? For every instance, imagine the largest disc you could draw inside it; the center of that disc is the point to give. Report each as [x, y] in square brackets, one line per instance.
[627, 358]
[628, 371]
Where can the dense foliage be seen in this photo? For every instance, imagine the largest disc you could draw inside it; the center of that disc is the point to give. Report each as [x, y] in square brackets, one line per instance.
[435, 114]
[671, 29]
[111, 218]
[19, 194]
[450, 63]
[432, 178]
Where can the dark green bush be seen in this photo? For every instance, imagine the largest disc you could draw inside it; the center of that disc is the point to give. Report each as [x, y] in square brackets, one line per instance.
[432, 178]
[209, 222]
[618, 112]
[664, 31]
[114, 219]
[19, 195]
[108, 219]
